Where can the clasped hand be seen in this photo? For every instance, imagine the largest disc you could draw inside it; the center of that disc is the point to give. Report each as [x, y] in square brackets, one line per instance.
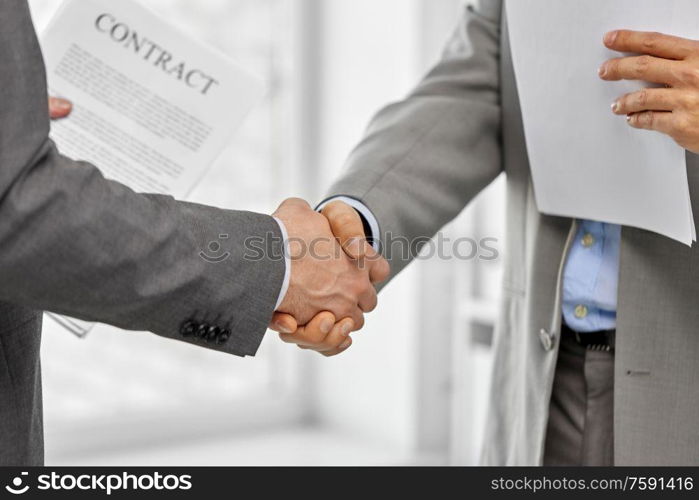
[333, 272]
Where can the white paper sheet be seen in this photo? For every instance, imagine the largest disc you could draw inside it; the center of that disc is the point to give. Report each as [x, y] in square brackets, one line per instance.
[586, 162]
[152, 108]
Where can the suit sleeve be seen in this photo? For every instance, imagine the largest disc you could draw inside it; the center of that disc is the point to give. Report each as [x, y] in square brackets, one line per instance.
[75, 243]
[424, 158]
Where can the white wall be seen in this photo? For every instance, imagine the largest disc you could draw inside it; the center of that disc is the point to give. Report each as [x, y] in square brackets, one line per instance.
[374, 53]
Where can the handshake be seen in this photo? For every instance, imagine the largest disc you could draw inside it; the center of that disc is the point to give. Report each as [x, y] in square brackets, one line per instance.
[332, 276]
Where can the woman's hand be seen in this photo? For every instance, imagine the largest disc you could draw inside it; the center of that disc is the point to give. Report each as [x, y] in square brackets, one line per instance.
[665, 60]
[59, 108]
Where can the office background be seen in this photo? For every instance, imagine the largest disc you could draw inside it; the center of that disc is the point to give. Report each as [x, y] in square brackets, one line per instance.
[411, 390]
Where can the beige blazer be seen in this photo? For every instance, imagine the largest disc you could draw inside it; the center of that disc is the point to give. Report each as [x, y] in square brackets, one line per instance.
[423, 159]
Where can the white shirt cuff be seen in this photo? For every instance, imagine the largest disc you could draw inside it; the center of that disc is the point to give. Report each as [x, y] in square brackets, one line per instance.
[287, 261]
[366, 213]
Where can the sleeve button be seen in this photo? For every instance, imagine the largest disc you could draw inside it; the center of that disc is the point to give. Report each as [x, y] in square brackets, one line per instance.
[188, 328]
[202, 330]
[223, 336]
[212, 333]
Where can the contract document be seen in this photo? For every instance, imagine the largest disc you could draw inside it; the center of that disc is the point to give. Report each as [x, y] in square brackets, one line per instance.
[586, 162]
[152, 108]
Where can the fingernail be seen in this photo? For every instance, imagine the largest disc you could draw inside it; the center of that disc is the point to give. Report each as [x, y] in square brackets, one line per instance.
[628, 118]
[602, 70]
[610, 37]
[326, 325]
[61, 104]
[282, 328]
[345, 344]
[346, 328]
[615, 106]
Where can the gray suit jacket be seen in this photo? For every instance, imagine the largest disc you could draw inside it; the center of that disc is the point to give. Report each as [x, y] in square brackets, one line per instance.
[74, 243]
[424, 159]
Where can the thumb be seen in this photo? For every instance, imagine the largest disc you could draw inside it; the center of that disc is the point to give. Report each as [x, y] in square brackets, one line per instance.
[59, 108]
[283, 323]
[346, 225]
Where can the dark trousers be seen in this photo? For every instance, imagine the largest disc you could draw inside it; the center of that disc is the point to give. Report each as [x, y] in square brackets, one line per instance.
[581, 414]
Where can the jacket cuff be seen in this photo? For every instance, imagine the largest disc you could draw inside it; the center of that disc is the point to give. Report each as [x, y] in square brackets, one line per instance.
[287, 263]
[239, 293]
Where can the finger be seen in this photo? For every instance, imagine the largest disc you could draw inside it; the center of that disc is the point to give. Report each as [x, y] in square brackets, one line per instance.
[648, 100]
[283, 323]
[367, 300]
[333, 340]
[655, 44]
[646, 68]
[295, 202]
[357, 316]
[59, 108]
[340, 349]
[313, 333]
[379, 269]
[346, 225]
[337, 336]
[660, 121]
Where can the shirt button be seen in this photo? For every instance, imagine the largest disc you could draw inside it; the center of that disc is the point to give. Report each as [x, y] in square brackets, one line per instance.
[588, 240]
[581, 311]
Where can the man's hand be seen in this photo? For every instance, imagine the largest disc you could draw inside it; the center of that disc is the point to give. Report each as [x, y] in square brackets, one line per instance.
[59, 108]
[322, 334]
[323, 278]
[666, 60]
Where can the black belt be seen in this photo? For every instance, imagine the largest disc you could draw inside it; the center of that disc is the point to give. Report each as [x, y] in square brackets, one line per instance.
[601, 340]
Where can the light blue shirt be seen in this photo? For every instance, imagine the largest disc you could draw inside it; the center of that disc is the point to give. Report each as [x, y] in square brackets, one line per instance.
[591, 277]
